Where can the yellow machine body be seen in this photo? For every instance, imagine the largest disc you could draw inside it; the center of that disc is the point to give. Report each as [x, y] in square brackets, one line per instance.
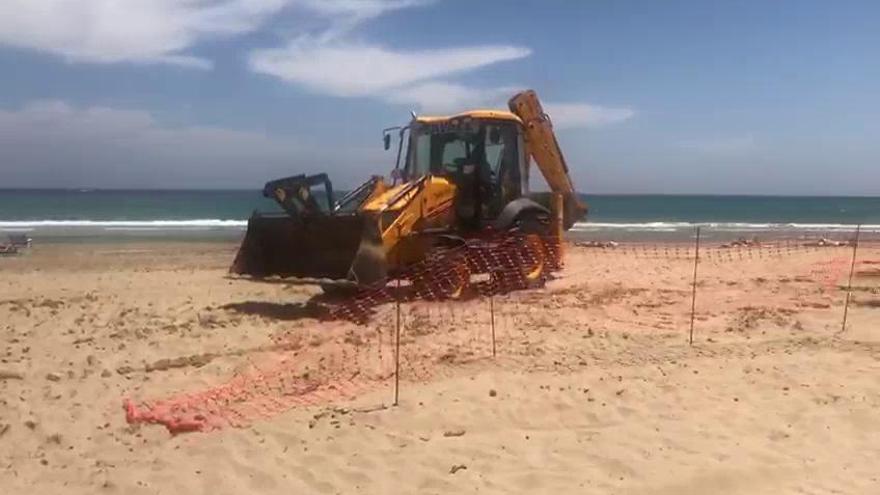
[381, 228]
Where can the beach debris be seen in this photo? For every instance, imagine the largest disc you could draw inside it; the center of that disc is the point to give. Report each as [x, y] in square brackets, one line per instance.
[824, 242]
[10, 375]
[53, 377]
[4, 428]
[196, 360]
[8, 250]
[742, 242]
[868, 272]
[16, 244]
[492, 393]
[125, 369]
[456, 468]
[19, 241]
[751, 317]
[208, 320]
[814, 305]
[454, 433]
[597, 244]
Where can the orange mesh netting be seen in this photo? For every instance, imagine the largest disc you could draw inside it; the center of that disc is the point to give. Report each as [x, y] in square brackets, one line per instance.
[355, 362]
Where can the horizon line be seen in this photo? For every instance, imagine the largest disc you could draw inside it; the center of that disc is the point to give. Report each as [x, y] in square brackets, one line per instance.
[225, 189]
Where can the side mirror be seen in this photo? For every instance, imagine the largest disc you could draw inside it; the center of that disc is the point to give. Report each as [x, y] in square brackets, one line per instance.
[387, 141]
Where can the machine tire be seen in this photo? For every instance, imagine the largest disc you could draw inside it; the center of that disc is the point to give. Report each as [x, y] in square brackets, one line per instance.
[518, 210]
[532, 229]
[450, 283]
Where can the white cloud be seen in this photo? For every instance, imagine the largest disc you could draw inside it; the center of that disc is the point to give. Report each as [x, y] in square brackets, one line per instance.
[160, 31]
[443, 97]
[164, 31]
[324, 61]
[351, 69]
[61, 121]
[144, 31]
[345, 15]
[330, 62]
[570, 115]
[55, 144]
[362, 9]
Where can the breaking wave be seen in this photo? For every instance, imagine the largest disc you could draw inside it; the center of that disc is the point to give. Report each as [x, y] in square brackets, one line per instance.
[193, 225]
[124, 224]
[721, 226]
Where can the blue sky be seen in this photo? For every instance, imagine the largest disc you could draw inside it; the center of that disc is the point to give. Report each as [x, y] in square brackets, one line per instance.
[762, 97]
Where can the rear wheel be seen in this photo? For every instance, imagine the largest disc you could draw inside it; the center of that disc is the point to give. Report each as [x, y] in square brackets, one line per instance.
[533, 229]
[457, 280]
[445, 275]
[533, 265]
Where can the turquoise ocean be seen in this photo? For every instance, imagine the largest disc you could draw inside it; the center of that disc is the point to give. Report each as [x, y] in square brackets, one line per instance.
[73, 215]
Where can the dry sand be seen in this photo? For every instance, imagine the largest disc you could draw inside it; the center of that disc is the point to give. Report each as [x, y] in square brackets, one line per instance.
[594, 388]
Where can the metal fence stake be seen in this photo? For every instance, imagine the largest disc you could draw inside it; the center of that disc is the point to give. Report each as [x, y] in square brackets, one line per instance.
[694, 292]
[852, 268]
[397, 334]
[492, 320]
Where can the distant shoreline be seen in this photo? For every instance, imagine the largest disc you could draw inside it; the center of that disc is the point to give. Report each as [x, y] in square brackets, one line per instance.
[84, 231]
[257, 191]
[66, 216]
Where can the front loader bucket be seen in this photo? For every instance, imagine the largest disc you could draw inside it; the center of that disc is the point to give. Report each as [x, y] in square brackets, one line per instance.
[326, 248]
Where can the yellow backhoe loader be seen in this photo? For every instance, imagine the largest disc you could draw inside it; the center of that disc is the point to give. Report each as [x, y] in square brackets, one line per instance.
[457, 178]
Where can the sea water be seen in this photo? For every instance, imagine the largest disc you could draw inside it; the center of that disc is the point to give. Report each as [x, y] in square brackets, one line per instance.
[103, 215]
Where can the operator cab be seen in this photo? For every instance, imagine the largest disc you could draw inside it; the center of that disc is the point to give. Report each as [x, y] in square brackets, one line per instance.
[480, 152]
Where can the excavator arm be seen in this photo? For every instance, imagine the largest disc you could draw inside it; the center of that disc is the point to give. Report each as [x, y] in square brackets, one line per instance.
[541, 145]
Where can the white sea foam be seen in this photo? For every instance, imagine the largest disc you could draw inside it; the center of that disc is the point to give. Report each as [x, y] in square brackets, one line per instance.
[196, 224]
[218, 224]
[725, 226]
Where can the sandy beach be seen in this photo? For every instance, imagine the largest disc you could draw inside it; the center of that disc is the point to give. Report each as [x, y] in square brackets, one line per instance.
[593, 387]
